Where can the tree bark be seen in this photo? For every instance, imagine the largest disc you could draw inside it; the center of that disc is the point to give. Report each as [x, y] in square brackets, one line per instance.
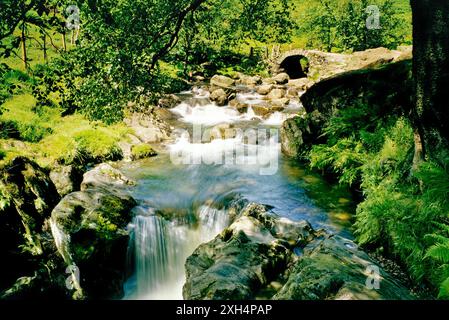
[24, 47]
[431, 73]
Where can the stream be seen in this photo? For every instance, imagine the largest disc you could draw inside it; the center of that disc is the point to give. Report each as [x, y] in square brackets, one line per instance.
[185, 192]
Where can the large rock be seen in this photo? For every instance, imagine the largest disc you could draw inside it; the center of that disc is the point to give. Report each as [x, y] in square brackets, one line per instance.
[243, 258]
[333, 268]
[298, 133]
[67, 179]
[27, 196]
[259, 249]
[276, 94]
[219, 96]
[222, 82]
[385, 88]
[250, 81]
[90, 231]
[265, 89]
[281, 78]
[169, 101]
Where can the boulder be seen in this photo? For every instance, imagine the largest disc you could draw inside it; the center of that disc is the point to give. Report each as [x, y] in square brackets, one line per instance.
[250, 81]
[169, 101]
[105, 176]
[66, 179]
[163, 114]
[261, 111]
[283, 102]
[89, 228]
[239, 106]
[301, 84]
[333, 268]
[276, 94]
[281, 78]
[222, 82]
[27, 196]
[260, 251]
[219, 96]
[298, 133]
[238, 262]
[265, 89]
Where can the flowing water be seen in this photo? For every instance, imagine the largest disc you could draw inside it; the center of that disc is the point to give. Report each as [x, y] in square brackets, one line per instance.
[184, 193]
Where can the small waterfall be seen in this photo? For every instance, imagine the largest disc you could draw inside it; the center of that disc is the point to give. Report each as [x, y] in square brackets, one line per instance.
[160, 250]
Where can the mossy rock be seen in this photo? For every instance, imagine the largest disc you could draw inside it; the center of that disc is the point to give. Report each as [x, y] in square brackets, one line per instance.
[142, 151]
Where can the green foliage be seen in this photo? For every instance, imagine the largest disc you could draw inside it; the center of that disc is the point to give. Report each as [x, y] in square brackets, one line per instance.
[439, 251]
[2, 155]
[398, 212]
[342, 25]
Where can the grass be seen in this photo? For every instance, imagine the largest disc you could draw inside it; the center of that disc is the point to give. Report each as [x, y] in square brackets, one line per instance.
[142, 151]
[66, 140]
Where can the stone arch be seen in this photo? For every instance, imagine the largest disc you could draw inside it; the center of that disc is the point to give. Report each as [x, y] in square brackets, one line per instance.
[296, 66]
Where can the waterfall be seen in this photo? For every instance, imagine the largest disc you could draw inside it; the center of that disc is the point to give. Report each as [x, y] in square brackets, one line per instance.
[160, 250]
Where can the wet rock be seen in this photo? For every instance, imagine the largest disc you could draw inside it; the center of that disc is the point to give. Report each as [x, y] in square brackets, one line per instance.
[239, 106]
[334, 268]
[250, 81]
[301, 84]
[222, 82]
[163, 114]
[66, 179]
[27, 196]
[298, 133]
[89, 230]
[169, 101]
[283, 102]
[261, 111]
[281, 78]
[242, 259]
[276, 94]
[105, 176]
[219, 96]
[265, 89]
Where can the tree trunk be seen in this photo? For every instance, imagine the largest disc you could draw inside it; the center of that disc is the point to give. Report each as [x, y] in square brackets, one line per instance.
[64, 44]
[44, 46]
[431, 72]
[24, 47]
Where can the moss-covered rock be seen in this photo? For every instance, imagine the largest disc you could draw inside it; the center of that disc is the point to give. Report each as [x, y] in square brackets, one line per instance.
[90, 232]
[244, 258]
[142, 151]
[27, 196]
[334, 268]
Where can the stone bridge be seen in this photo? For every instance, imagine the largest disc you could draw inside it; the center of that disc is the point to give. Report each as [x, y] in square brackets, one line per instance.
[299, 63]
[317, 65]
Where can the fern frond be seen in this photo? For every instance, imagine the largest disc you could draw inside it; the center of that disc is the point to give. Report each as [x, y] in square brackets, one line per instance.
[439, 252]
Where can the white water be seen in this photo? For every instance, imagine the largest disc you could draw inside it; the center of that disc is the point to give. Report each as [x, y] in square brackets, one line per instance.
[161, 248]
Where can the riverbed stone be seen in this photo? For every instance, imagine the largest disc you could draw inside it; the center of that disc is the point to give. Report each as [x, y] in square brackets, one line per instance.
[239, 261]
[222, 81]
[220, 97]
[265, 89]
[276, 94]
[281, 78]
[334, 268]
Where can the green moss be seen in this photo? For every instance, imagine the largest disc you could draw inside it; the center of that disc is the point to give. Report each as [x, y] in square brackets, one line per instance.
[142, 151]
